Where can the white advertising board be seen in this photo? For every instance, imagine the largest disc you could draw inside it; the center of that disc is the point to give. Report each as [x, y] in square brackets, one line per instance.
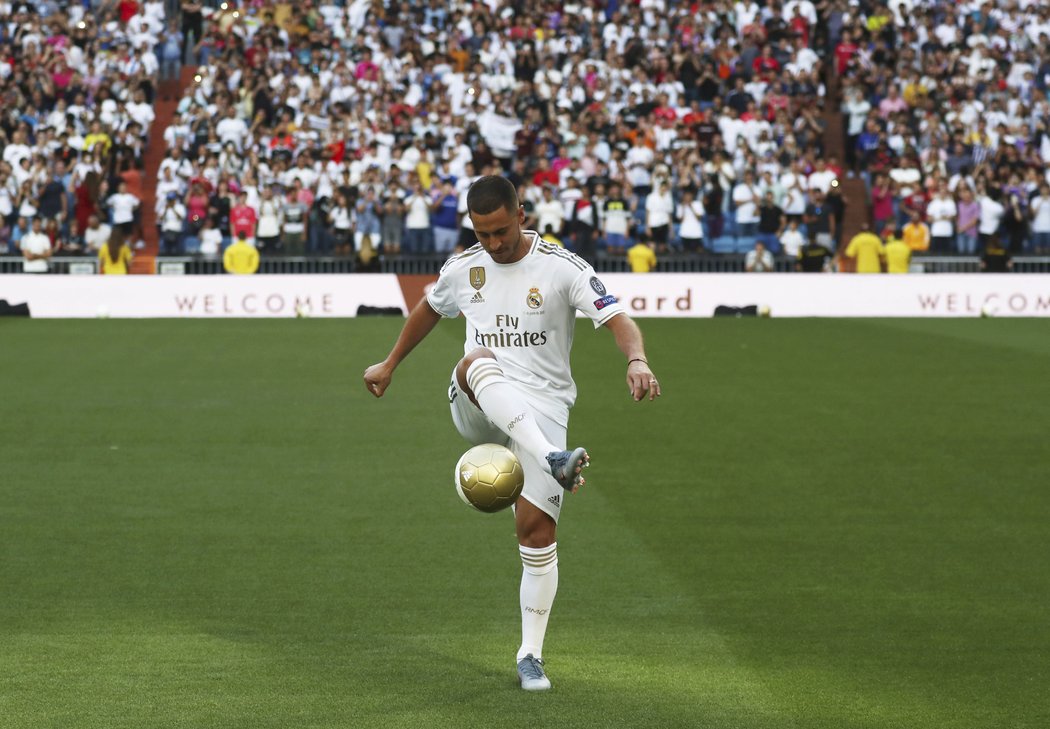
[207, 297]
[834, 295]
[644, 295]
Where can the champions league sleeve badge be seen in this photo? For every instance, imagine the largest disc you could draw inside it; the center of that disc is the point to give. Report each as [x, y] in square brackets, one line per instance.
[598, 286]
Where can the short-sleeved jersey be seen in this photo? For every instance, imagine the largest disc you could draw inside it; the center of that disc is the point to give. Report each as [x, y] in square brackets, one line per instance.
[525, 311]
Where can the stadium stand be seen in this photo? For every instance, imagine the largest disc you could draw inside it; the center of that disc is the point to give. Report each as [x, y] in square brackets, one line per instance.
[79, 90]
[389, 108]
[941, 97]
[332, 129]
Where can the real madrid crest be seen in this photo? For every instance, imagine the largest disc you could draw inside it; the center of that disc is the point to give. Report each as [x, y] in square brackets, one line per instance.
[477, 277]
[534, 299]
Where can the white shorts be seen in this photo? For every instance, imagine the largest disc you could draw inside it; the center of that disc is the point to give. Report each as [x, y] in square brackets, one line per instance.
[541, 490]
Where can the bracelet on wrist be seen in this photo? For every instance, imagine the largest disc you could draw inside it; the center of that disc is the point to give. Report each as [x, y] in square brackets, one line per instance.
[637, 359]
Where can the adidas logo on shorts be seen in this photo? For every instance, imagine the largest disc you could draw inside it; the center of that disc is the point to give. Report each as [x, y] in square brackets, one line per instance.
[556, 500]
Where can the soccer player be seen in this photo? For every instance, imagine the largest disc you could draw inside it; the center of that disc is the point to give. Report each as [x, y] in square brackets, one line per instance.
[519, 295]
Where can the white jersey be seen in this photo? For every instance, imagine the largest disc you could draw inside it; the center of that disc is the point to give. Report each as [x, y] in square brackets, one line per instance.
[525, 311]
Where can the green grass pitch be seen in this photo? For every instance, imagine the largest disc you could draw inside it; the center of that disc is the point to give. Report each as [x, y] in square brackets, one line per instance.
[821, 524]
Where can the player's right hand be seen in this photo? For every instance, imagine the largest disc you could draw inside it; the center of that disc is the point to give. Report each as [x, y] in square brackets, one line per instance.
[377, 378]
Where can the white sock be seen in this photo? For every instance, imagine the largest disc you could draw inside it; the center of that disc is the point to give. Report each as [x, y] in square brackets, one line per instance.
[505, 406]
[539, 585]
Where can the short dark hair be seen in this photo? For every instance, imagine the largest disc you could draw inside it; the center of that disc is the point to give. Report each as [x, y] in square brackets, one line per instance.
[490, 193]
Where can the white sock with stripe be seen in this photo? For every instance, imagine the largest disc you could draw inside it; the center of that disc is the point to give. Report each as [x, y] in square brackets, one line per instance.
[505, 406]
[539, 584]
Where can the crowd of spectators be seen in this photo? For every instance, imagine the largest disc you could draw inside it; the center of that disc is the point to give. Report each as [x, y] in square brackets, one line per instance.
[946, 112]
[77, 83]
[346, 128]
[355, 128]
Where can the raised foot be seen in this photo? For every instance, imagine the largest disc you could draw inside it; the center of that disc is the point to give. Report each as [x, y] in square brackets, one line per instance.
[567, 467]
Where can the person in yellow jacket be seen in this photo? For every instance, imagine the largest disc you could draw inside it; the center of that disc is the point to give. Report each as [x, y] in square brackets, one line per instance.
[916, 233]
[867, 249]
[97, 136]
[241, 257]
[114, 258]
[641, 257]
[898, 254]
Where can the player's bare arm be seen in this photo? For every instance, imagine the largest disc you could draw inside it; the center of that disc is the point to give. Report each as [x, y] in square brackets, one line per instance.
[419, 324]
[640, 378]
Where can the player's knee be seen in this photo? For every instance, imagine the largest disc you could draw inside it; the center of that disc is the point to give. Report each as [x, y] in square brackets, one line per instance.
[464, 365]
[474, 355]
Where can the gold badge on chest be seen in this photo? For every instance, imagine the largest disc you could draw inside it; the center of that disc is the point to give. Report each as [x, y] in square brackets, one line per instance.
[477, 277]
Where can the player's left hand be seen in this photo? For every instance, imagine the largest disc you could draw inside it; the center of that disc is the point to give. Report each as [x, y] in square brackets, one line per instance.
[641, 380]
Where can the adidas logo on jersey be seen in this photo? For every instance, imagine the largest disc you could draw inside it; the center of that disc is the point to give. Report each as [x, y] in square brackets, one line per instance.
[478, 299]
[556, 500]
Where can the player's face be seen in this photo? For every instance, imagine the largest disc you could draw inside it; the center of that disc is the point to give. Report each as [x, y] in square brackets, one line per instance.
[499, 233]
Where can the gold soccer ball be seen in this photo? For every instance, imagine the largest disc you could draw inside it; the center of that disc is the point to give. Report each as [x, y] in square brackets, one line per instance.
[489, 477]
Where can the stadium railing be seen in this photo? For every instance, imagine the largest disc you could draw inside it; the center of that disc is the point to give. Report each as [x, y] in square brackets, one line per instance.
[58, 264]
[972, 264]
[730, 263]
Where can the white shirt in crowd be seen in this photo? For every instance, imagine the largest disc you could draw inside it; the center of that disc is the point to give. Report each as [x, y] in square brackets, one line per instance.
[821, 180]
[805, 8]
[568, 198]
[991, 215]
[95, 238]
[1041, 214]
[658, 208]
[165, 188]
[792, 242]
[462, 187]
[27, 209]
[232, 130]
[143, 114]
[941, 211]
[123, 207]
[37, 244]
[691, 216]
[616, 219]
[794, 186]
[179, 168]
[342, 218]
[906, 178]
[211, 241]
[15, 152]
[745, 197]
[857, 108]
[639, 161]
[173, 218]
[418, 211]
[269, 225]
[549, 213]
